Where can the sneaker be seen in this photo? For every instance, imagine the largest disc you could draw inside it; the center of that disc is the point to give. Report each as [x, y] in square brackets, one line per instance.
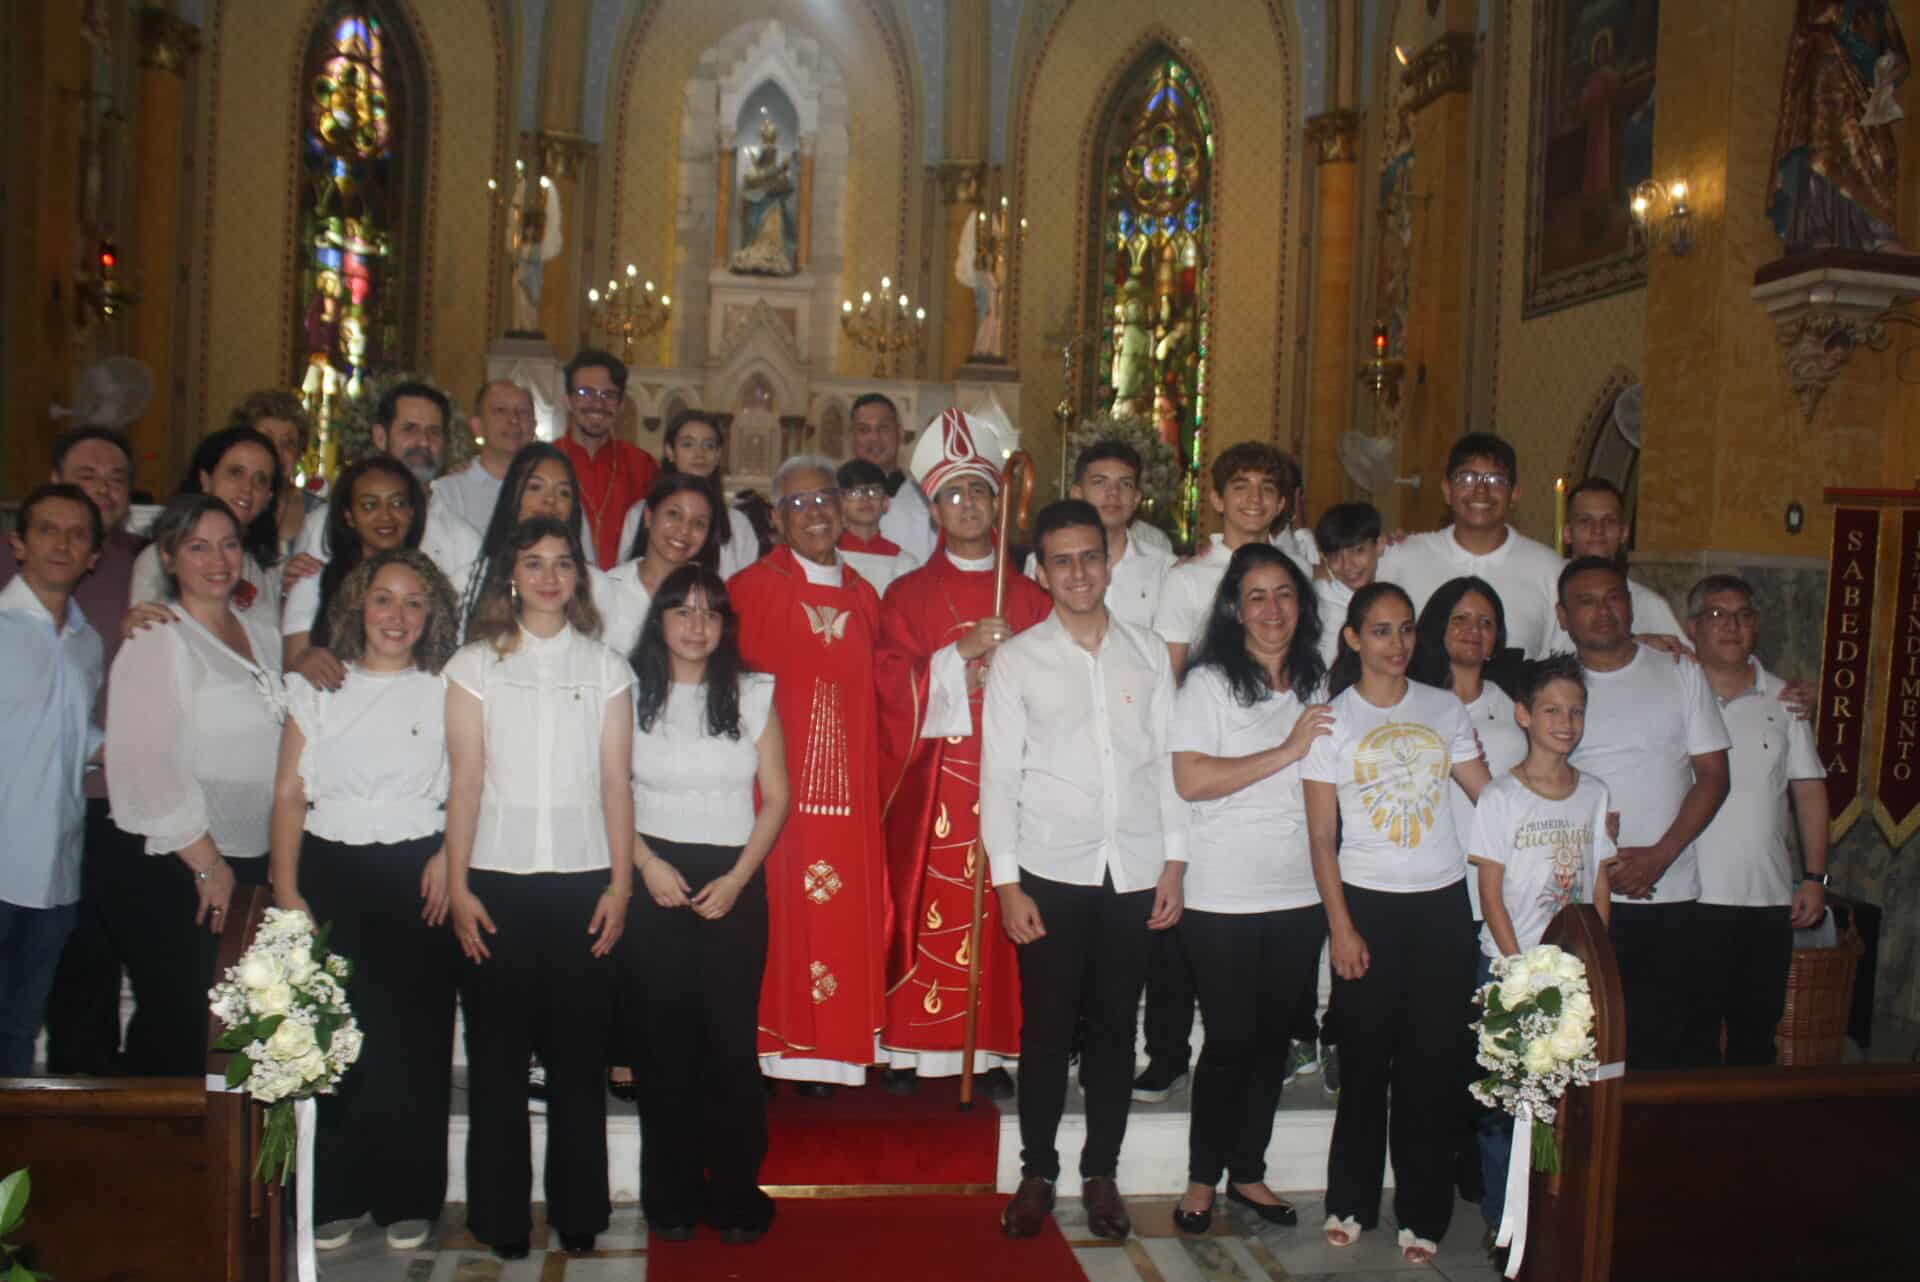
[536, 1085]
[334, 1234]
[1304, 1061]
[1158, 1082]
[405, 1235]
[1330, 1070]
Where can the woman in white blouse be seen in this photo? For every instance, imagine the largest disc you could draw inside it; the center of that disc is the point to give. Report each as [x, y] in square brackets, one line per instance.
[539, 871]
[1390, 869]
[240, 467]
[693, 446]
[678, 529]
[1242, 722]
[708, 735]
[357, 821]
[193, 721]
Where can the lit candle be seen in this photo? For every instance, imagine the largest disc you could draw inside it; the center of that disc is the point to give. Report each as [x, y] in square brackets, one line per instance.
[1559, 513]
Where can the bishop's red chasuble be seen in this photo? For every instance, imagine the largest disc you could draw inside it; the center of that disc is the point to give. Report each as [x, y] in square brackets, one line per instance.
[826, 891]
[932, 789]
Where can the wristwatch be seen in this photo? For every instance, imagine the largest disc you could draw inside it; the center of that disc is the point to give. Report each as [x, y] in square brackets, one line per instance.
[1819, 877]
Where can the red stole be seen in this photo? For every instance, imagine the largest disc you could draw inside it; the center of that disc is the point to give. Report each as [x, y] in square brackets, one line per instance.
[826, 890]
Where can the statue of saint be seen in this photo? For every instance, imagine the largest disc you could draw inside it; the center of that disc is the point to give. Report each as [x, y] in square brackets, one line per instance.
[1835, 153]
[767, 236]
[1132, 373]
[984, 274]
[533, 238]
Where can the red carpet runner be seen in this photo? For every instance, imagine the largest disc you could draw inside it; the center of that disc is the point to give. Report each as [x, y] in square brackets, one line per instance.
[928, 1239]
[869, 1141]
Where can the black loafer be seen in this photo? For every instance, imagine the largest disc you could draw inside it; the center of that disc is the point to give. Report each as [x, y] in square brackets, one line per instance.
[741, 1237]
[1194, 1222]
[513, 1250]
[671, 1232]
[996, 1083]
[577, 1243]
[1280, 1212]
[813, 1090]
[901, 1081]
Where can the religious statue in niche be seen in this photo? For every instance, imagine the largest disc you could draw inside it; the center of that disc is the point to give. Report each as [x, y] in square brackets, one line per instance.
[980, 265]
[768, 235]
[534, 238]
[1835, 155]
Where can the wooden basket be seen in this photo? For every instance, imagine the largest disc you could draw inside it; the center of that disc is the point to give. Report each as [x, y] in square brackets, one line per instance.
[1819, 999]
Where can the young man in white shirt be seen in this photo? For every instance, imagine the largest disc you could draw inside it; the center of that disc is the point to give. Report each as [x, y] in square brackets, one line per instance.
[1480, 486]
[502, 422]
[47, 688]
[1107, 475]
[1655, 737]
[874, 429]
[1348, 535]
[1085, 837]
[1597, 526]
[1750, 901]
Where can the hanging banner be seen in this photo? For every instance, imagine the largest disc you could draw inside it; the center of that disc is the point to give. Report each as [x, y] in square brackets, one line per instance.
[1896, 797]
[1842, 721]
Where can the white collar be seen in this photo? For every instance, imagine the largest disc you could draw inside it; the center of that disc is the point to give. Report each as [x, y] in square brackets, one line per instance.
[972, 565]
[18, 595]
[821, 576]
[533, 644]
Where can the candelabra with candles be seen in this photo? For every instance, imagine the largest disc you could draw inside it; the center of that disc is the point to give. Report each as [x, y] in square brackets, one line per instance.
[628, 314]
[885, 328]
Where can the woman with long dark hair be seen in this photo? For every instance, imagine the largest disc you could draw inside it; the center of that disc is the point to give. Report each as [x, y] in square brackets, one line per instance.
[695, 446]
[240, 467]
[708, 736]
[1243, 721]
[1390, 868]
[680, 525]
[378, 505]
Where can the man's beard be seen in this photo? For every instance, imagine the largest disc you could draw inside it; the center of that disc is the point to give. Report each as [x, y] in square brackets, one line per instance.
[422, 464]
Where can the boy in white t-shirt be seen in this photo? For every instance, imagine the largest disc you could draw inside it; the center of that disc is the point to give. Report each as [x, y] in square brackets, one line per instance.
[863, 501]
[1348, 535]
[1540, 843]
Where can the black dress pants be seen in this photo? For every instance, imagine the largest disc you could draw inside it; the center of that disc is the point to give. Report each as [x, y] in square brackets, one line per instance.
[1092, 961]
[1402, 1026]
[1660, 952]
[694, 1019]
[1167, 1020]
[381, 1143]
[83, 1010]
[1747, 953]
[147, 903]
[543, 991]
[1251, 969]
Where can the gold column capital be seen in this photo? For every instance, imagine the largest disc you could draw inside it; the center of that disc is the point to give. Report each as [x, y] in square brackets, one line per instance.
[167, 42]
[1443, 67]
[562, 154]
[1335, 136]
[962, 182]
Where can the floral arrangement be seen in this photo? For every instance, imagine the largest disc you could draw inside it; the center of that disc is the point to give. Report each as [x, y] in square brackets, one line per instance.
[14, 1192]
[1162, 478]
[1536, 1039]
[288, 1025]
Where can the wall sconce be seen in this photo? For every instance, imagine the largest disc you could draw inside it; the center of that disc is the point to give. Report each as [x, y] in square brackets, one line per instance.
[1381, 372]
[1661, 214]
[99, 288]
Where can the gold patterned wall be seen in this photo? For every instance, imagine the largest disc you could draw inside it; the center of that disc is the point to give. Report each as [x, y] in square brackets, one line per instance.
[1245, 54]
[660, 50]
[248, 118]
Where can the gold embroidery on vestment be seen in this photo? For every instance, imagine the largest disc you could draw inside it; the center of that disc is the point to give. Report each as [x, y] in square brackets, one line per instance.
[824, 983]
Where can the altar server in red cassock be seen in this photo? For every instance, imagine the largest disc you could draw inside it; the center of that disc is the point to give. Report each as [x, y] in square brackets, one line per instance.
[811, 621]
[938, 632]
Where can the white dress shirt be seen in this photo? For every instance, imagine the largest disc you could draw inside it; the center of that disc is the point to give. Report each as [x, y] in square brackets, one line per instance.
[623, 602]
[692, 785]
[375, 762]
[909, 522]
[469, 494]
[1525, 573]
[193, 736]
[545, 707]
[1076, 783]
[741, 549]
[1333, 598]
[1744, 859]
[47, 688]
[1150, 536]
[1134, 582]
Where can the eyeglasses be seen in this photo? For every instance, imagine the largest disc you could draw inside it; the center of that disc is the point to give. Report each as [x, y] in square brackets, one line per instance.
[866, 493]
[955, 495]
[605, 395]
[1746, 618]
[1492, 480]
[795, 504]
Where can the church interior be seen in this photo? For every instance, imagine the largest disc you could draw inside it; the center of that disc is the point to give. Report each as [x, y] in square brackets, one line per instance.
[1353, 229]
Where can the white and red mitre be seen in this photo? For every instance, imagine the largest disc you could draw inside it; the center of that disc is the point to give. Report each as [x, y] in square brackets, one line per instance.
[958, 445]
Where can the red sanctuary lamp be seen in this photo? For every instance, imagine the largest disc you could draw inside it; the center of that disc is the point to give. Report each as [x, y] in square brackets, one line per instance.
[1379, 371]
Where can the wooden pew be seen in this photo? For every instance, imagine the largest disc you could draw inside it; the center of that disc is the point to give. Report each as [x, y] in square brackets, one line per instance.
[146, 1178]
[1724, 1175]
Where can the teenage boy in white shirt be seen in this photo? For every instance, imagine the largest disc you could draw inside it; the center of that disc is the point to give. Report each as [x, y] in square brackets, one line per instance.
[1107, 475]
[1750, 901]
[1655, 737]
[1348, 535]
[1480, 486]
[1085, 837]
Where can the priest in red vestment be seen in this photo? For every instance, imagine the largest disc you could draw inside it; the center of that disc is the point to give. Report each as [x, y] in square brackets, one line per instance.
[811, 621]
[938, 632]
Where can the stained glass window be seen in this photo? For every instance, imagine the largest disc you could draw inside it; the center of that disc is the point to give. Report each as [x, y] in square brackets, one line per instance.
[1155, 221]
[353, 222]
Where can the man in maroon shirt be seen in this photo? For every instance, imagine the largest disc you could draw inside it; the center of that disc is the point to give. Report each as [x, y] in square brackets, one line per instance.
[613, 474]
[83, 1010]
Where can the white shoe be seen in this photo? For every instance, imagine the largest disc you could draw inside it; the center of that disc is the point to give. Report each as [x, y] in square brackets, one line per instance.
[334, 1234]
[405, 1235]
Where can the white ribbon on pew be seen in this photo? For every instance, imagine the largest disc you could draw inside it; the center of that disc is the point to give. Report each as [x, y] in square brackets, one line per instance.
[1513, 1220]
[305, 1111]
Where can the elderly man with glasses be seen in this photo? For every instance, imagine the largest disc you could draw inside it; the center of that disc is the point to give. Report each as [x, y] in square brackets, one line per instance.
[613, 474]
[812, 622]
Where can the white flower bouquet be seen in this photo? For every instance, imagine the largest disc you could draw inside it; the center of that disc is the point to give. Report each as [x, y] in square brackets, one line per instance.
[288, 1024]
[1535, 1039]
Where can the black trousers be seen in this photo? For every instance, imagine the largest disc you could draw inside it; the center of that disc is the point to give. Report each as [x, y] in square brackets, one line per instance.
[381, 1144]
[146, 905]
[1661, 956]
[694, 1019]
[1167, 1020]
[1402, 1026]
[544, 991]
[1091, 962]
[1251, 969]
[83, 1010]
[1747, 953]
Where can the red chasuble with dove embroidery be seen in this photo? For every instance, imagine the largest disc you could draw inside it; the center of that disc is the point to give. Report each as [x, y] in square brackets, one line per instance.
[826, 890]
[932, 789]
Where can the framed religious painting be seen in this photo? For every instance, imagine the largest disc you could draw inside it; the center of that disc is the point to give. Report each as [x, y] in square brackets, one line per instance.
[1589, 143]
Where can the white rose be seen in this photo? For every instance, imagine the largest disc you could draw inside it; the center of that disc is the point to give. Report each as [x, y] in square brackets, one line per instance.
[256, 971]
[1567, 969]
[1568, 1043]
[291, 1040]
[301, 967]
[1578, 1005]
[1539, 1056]
[1514, 990]
[277, 999]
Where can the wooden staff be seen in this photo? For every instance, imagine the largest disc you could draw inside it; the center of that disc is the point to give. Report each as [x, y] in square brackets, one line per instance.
[1022, 463]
